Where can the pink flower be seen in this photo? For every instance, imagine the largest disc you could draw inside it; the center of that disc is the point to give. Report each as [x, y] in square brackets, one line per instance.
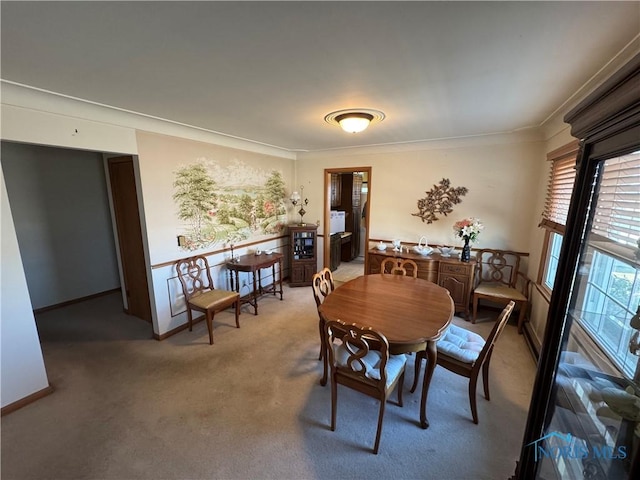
[468, 228]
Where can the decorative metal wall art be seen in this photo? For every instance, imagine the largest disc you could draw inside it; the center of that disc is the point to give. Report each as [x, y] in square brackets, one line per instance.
[439, 200]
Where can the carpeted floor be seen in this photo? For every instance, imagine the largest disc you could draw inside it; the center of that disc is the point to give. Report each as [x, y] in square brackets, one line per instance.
[249, 407]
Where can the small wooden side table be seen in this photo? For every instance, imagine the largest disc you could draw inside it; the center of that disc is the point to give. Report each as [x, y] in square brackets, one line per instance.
[253, 264]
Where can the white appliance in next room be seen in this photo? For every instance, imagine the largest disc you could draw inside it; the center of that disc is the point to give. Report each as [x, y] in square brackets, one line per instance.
[336, 221]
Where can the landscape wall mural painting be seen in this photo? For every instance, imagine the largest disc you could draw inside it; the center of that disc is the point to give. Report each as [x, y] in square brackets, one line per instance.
[226, 204]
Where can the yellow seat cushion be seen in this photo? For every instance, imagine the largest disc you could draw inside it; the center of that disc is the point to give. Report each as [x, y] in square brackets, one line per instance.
[499, 290]
[213, 298]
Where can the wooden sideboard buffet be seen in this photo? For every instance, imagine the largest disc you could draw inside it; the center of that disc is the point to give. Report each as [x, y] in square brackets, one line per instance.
[448, 272]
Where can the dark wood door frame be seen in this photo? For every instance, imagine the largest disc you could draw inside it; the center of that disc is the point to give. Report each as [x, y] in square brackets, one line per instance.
[326, 248]
[124, 197]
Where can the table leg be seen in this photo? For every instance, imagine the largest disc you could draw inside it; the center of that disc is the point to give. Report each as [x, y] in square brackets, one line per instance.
[279, 277]
[273, 275]
[323, 353]
[255, 295]
[432, 356]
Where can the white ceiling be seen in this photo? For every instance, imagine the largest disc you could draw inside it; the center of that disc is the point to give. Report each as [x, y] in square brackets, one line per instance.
[270, 71]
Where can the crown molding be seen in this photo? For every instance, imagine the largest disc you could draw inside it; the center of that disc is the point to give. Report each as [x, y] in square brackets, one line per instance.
[554, 124]
[28, 97]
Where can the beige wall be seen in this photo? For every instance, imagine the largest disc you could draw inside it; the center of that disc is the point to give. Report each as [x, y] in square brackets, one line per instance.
[502, 174]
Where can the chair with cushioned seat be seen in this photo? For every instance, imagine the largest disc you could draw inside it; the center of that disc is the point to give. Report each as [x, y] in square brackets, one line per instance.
[466, 353]
[399, 266]
[501, 281]
[200, 294]
[359, 359]
[322, 285]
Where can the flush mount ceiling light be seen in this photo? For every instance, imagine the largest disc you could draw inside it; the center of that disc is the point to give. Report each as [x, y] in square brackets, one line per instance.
[354, 120]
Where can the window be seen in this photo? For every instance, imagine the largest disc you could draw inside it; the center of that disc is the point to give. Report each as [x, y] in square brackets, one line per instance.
[551, 266]
[610, 294]
[556, 207]
[611, 297]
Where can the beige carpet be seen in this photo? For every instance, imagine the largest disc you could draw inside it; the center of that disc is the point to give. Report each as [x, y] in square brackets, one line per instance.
[249, 407]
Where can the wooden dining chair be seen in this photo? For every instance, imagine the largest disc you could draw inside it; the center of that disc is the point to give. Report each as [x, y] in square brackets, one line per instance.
[359, 359]
[398, 266]
[499, 280]
[200, 293]
[466, 353]
[322, 285]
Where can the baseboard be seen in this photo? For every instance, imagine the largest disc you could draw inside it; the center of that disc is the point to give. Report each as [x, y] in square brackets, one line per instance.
[12, 407]
[178, 329]
[76, 300]
[530, 338]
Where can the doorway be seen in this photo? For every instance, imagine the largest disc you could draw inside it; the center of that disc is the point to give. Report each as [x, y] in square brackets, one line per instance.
[347, 198]
[60, 205]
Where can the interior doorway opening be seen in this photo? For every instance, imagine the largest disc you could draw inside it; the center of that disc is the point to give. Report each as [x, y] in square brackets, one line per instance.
[60, 207]
[346, 219]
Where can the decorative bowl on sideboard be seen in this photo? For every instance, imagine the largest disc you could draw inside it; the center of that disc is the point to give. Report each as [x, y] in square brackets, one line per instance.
[446, 251]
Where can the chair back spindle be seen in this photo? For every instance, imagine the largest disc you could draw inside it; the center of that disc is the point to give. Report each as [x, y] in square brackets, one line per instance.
[194, 276]
[399, 266]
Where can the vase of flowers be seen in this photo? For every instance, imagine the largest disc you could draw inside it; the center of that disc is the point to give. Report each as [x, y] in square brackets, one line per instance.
[468, 230]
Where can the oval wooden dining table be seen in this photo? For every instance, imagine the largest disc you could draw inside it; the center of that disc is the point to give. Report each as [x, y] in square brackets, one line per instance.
[411, 312]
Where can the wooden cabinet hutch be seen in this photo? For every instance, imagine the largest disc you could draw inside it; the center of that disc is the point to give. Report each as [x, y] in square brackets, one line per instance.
[303, 256]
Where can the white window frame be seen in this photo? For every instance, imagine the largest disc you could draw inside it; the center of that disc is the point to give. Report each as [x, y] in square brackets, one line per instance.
[555, 211]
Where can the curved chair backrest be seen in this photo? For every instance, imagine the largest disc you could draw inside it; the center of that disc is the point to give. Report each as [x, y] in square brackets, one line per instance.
[194, 276]
[398, 266]
[351, 358]
[322, 284]
[499, 266]
[328, 276]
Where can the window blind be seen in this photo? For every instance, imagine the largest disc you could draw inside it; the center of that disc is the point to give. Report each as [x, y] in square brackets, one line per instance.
[617, 214]
[560, 187]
